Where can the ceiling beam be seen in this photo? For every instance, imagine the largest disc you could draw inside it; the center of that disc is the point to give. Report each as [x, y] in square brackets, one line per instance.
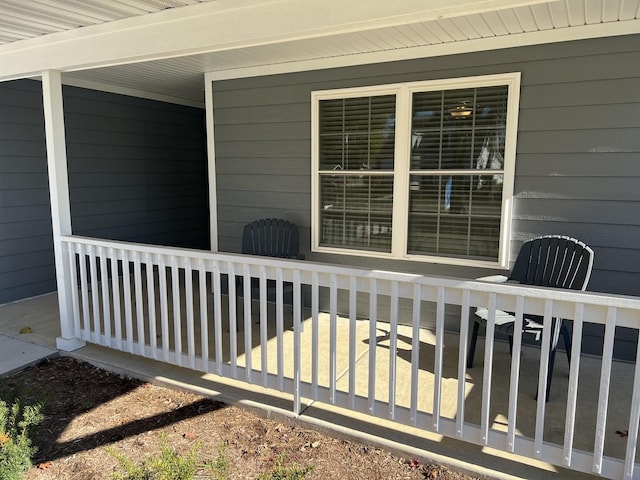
[218, 26]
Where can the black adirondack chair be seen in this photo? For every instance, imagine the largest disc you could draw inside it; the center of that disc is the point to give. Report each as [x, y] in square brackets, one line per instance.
[270, 237]
[548, 261]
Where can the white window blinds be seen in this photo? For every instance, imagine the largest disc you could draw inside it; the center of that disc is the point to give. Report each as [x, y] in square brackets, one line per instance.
[356, 163]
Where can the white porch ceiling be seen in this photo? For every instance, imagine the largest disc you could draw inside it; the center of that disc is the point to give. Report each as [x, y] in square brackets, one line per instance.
[452, 26]
[22, 19]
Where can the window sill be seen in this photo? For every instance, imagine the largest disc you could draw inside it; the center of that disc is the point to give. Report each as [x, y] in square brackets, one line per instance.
[454, 261]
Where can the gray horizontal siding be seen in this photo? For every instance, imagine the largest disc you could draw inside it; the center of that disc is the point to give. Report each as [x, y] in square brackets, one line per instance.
[137, 169]
[578, 141]
[26, 239]
[137, 172]
[577, 168]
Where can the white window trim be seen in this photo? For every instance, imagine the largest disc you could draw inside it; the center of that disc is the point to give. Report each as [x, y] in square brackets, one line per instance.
[403, 92]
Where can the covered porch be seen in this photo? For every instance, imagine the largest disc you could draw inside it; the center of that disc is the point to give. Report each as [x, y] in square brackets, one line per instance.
[380, 352]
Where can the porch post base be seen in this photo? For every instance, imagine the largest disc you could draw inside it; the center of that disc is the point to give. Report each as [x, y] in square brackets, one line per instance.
[69, 344]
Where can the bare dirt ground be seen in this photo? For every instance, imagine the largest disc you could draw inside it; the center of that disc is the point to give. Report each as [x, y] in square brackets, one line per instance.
[88, 409]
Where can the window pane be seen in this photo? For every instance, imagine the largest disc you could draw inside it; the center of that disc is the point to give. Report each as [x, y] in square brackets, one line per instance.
[355, 211]
[454, 215]
[486, 197]
[485, 234]
[357, 133]
[459, 129]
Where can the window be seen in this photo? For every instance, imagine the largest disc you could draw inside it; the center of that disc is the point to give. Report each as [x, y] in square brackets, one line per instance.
[420, 171]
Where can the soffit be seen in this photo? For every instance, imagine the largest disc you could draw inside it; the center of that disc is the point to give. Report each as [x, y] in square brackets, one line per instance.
[180, 78]
[23, 19]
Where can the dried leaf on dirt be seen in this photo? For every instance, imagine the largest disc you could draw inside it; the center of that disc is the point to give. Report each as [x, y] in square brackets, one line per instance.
[44, 465]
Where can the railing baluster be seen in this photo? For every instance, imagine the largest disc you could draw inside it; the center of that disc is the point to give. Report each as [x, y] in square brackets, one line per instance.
[373, 343]
[164, 306]
[246, 293]
[333, 315]
[233, 321]
[297, 348]
[543, 375]
[264, 339]
[137, 277]
[353, 297]
[84, 285]
[415, 352]
[128, 308]
[177, 321]
[462, 362]
[151, 306]
[204, 322]
[634, 420]
[95, 334]
[572, 393]
[393, 349]
[315, 313]
[106, 304]
[488, 367]
[189, 299]
[217, 322]
[115, 288]
[280, 328]
[437, 367]
[603, 396]
[515, 375]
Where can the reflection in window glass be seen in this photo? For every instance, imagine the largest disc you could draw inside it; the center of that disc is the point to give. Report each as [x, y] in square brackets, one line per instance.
[461, 131]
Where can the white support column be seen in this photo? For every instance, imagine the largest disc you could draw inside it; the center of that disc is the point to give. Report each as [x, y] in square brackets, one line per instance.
[211, 154]
[60, 206]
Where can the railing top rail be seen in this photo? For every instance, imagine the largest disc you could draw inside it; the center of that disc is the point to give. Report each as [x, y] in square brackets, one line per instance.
[591, 298]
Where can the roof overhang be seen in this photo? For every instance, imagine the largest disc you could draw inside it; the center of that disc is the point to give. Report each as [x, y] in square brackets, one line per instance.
[165, 54]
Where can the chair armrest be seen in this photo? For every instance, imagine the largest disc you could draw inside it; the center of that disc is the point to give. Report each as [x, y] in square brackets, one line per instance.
[502, 318]
[494, 279]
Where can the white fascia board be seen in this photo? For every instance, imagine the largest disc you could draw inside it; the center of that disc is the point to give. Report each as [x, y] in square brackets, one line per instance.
[219, 26]
[600, 30]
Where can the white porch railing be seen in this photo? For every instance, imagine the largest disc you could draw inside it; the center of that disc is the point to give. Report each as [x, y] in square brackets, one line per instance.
[167, 304]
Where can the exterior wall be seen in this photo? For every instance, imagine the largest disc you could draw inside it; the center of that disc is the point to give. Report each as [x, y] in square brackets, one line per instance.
[577, 163]
[137, 169]
[137, 172]
[26, 244]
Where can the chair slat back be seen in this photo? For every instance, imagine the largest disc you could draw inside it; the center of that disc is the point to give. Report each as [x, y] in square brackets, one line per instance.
[554, 261]
[271, 237]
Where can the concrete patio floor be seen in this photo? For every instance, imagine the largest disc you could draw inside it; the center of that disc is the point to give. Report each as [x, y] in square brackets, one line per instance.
[41, 315]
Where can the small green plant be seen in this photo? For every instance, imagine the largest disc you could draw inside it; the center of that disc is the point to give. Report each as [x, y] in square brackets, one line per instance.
[171, 466]
[16, 428]
[280, 472]
[220, 467]
[168, 465]
[131, 471]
